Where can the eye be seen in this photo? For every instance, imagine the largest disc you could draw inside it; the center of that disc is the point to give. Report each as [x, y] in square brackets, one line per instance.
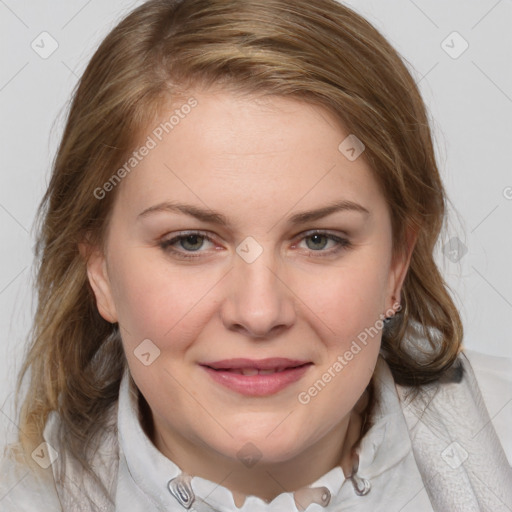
[317, 242]
[189, 245]
[190, 242]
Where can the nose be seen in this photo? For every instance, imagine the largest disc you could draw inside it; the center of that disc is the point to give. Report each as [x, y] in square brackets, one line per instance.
[259, 303]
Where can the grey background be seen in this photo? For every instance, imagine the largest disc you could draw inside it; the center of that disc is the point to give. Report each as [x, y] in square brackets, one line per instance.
[469, 97]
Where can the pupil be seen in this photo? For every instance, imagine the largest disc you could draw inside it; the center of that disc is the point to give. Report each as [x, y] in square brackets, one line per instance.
[316, 238]
[193, 240]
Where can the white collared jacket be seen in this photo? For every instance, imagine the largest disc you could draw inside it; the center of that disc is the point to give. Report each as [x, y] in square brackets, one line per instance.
[440, 452]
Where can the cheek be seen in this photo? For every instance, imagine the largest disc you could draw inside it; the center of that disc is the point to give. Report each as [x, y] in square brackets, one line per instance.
[349, 298]
[157, 301]
[347, 308]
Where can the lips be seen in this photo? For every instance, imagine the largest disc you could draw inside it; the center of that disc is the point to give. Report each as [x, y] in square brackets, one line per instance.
[256, 366]
[257, 377]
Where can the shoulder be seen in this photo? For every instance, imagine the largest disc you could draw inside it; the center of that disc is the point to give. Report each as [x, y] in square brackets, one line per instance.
[22, 487]
[494, 378]
[27, 482]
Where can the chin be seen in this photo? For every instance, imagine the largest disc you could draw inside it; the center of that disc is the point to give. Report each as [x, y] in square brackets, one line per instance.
[263, 448]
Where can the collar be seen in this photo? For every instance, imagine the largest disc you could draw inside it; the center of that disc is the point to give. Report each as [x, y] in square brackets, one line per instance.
[159, 481]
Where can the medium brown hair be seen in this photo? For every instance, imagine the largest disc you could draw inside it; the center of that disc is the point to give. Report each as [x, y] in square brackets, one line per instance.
[317, 51]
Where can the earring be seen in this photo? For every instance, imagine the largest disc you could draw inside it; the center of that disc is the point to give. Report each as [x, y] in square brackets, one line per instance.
[389, 318]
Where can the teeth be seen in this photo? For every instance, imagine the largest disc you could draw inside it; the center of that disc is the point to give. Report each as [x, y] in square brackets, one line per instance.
[249, 371]
[254, 371]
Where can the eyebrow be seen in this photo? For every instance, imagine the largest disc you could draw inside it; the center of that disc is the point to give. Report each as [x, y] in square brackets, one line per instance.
[210, 216]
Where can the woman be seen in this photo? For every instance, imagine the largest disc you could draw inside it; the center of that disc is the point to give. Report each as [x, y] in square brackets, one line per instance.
[239, 307]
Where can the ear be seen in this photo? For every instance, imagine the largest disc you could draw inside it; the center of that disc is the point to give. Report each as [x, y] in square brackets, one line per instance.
[98, 279]
[399, 268]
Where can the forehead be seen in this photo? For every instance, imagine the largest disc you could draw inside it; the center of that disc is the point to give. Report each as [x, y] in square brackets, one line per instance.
[230, 146]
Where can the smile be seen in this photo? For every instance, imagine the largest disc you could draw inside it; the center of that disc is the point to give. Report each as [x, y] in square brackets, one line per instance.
[256, 378]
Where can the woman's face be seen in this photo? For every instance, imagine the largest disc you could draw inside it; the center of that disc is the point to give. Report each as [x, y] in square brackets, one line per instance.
[286, 252]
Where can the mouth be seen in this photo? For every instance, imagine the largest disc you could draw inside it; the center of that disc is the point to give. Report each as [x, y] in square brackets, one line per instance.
[257, 377]
[253, 371]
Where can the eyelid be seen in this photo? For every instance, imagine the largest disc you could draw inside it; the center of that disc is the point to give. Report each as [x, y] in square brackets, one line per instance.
[176, 237]
[327, 232]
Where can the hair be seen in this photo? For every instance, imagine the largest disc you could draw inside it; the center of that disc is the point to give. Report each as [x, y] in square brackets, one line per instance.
[315, 51]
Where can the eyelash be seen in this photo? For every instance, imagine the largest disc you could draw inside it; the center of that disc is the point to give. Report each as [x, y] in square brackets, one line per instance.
[165, 245]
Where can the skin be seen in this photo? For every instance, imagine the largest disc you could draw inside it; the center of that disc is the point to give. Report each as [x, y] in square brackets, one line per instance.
[258, 162]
